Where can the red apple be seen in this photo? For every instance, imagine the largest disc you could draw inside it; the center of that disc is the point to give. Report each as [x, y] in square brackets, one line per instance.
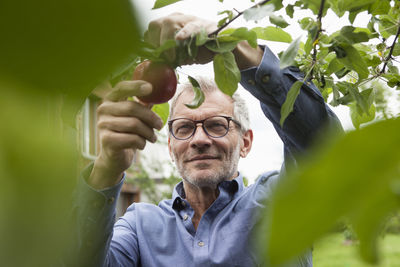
[161, 76]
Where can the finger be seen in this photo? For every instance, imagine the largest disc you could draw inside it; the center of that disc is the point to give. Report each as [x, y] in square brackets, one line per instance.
[168, 33]
[152, 35]
[130, 109]
[127, 125]
[194, 26]
[118, 141]
[125, 89]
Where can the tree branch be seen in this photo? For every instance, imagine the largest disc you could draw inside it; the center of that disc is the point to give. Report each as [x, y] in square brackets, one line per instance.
[214, 33]
[319, 30]
[391, 49]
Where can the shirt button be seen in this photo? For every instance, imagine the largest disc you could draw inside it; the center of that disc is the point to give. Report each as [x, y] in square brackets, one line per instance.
[111, 200]
[265, 78]
[252, 82]
[185, 217]
[201, 244]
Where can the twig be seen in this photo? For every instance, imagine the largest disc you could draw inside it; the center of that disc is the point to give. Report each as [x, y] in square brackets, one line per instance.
[314, 56]
[391, 49]
[214, 33]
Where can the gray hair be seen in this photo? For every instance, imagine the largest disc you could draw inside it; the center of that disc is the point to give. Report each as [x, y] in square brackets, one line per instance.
[208, 85]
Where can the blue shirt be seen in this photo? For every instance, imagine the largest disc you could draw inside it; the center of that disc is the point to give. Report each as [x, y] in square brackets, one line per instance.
[163, 235]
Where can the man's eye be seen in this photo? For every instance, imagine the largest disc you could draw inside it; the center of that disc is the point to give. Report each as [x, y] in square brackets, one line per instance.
[184, 128]
[216, 126]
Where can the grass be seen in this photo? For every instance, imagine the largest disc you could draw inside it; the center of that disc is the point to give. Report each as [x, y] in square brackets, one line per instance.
[332, 251]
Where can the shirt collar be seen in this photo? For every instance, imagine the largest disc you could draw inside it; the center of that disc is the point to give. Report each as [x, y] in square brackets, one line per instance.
[234, 186]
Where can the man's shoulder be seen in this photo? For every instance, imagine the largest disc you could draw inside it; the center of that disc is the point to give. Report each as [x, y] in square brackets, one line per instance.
[267, 178]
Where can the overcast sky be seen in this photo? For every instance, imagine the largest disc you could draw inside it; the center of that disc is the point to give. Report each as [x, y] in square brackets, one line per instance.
[267, 151]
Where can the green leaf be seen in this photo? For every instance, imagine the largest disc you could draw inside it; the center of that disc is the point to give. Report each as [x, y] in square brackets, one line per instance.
[278, 21]
[354, 61]
[287, 106]
[354, 5]
[258, 12]
[290, 10]
[245, 34]
[271, 33]
[351, 36]
[201, 37]
[379, 7]
[221, 47]
[227, 74]
[357, 119]
[238, 34]
[351, 177]
[334, 66]
[47, 44]
[287, 58]
[198, 98]
[162, 110]
[168, 44]
[396, 50]
[163, 3]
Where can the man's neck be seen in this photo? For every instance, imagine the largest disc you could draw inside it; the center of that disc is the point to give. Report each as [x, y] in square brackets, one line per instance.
[200, 199]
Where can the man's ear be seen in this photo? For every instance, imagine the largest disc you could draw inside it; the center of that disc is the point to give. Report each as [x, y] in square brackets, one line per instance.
[247, 141]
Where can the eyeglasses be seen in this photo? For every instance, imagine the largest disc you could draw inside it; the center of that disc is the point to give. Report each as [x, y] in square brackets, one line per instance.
[216, 127]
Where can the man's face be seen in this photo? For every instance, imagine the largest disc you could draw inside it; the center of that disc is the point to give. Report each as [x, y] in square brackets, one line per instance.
[202, 160]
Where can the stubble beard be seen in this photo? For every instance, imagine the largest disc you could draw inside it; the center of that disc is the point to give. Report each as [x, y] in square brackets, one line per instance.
[226, 172]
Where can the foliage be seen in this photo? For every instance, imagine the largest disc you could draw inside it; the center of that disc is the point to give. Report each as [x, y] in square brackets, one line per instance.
[333, 250]
[355, 176]
[52, 54]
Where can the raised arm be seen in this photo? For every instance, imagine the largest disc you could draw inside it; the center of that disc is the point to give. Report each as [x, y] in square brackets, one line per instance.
[270, 85]
[124, 126]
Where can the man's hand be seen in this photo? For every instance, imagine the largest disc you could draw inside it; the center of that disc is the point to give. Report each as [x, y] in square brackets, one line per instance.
[124, 126]
[180, 27]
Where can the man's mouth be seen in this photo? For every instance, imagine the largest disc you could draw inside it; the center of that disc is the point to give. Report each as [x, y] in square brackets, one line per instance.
[202, 157]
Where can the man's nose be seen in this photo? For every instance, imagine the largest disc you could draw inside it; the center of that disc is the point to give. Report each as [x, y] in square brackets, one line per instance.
[200, 137]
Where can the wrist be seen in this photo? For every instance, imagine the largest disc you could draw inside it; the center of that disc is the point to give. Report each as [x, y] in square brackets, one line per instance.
[103, 177]
[247, 56]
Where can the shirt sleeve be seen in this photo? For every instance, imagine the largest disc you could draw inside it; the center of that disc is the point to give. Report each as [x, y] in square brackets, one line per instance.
[93, 222]
[270, 85]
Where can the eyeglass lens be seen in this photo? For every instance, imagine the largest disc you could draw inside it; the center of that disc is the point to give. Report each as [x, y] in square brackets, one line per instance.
[214, 126]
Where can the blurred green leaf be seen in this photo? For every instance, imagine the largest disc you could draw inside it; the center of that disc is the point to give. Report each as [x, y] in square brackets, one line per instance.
[201, 37]
[227, 74]
[37, 175]
[278, 21]
[198, 98]
[353, 5]
[291, 97]
[271, 33]
[353, 176]
[357, 119]
[258, 12]
[288, 57]
[163, 3]
[221, 47]
[66, 46]
[238, 34]
[162, 110]
[379, 7]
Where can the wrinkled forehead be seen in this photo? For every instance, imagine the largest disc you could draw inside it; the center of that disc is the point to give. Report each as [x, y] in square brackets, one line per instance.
[215, 103]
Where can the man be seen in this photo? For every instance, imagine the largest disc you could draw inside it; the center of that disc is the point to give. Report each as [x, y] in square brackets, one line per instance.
[210, 218]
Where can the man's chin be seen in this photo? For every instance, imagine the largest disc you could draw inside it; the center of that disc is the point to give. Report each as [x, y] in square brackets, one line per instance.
[204, 178]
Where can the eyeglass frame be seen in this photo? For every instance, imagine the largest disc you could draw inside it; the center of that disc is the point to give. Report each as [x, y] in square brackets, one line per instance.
[228, 118]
